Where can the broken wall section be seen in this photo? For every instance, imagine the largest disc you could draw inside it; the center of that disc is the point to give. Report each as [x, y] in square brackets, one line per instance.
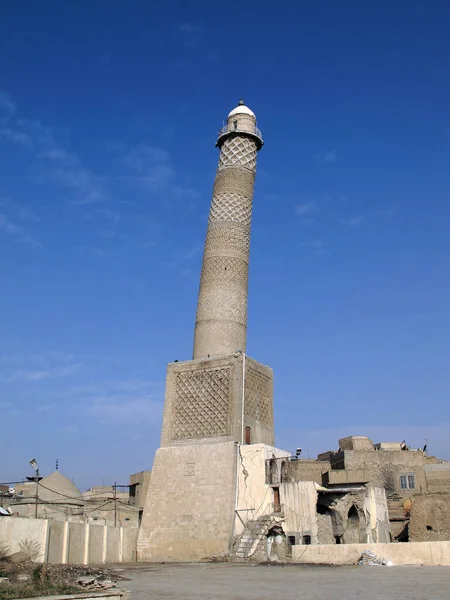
[255, 497]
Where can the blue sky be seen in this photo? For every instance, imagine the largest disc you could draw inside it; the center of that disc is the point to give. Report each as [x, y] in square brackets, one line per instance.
[108, 117]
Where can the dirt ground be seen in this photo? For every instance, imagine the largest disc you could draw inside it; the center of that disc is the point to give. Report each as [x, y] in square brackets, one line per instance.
[290, 582]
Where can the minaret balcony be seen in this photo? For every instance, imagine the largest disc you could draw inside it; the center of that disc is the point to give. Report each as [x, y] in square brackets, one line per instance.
[234, 128]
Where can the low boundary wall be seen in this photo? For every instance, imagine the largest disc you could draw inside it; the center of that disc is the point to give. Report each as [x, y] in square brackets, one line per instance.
[409, 553]
[61, 542]
[115, 595]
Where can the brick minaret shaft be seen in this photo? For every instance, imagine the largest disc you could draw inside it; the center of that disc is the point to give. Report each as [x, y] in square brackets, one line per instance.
[221, 323]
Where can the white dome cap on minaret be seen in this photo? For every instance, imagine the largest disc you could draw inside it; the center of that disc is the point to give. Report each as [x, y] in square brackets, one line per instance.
[241, 109]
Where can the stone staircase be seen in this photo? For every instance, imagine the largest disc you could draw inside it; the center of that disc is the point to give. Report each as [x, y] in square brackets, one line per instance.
[254, 536]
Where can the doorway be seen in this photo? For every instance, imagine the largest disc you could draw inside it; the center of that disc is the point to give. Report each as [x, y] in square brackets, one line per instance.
[276, 500]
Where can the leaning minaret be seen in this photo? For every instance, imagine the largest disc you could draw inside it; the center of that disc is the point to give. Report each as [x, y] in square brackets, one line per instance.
[221, 322]
[222, 399]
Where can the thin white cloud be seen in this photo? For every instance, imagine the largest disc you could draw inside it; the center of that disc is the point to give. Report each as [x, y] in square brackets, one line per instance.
[37, 375]
[16, 232]
[20, 211]
[7, 106]
[307, 209]
[148, 166]
[53, 162]
[317, 245]
[16, 137]
[354, 221]
[191, 34]
[329, 156]
[120, 409]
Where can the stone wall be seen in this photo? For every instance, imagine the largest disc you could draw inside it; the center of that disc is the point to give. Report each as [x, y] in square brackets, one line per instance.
[384, 468]
[438, 477]
[205, 401]
[64, 542]
[190, 506]
[415, 553]
[307, 470]
[430, 518]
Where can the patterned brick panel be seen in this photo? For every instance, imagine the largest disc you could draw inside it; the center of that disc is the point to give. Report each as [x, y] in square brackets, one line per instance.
[234, 181]
[238, 151]
[202, 405]
[258, 397]
[224, 269]
[227, 237]
[231, 207]
[229, 306]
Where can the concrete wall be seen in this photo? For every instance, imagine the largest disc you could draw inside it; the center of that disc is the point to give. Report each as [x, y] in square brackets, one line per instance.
[62, 543]
[16, 531]
[377, 515]
[76, 543]
[299, 501]
[113, 595]
[415, 553]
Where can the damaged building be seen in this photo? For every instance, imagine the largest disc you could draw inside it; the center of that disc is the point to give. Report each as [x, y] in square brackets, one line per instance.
[280, 506]
[361, 493]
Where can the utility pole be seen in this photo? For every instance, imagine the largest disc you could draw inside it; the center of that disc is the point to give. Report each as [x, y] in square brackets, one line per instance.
[37, 494]
[35, 466]
[115, 504]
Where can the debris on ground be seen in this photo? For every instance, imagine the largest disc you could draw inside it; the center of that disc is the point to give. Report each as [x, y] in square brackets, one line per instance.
[370, 559]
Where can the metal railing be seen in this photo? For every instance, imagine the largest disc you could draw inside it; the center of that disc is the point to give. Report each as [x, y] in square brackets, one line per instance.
[230, 129]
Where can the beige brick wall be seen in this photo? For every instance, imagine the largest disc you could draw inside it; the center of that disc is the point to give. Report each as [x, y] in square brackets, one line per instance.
[189, 511]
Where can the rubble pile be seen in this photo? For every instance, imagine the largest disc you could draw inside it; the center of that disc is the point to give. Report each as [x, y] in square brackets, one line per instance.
[92, 583]
[370, 559]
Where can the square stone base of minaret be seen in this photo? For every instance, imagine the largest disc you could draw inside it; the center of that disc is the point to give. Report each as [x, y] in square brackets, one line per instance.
[211, 406]
[227, 397]
[189, 509]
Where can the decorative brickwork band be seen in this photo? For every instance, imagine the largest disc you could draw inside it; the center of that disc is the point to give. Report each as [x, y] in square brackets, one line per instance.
[221, 323]
[202, 404]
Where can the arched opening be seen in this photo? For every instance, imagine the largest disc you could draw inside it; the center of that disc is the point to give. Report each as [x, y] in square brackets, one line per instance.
[248, 435]
[352, 535]
[273, 470]
[283, 471]
[325, 524]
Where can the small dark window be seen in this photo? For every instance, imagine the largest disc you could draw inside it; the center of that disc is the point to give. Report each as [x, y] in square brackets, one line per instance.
[248, 435]
[127, 519]
[337, 539]
[307, 540]
[291, 539]
[429, 528]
